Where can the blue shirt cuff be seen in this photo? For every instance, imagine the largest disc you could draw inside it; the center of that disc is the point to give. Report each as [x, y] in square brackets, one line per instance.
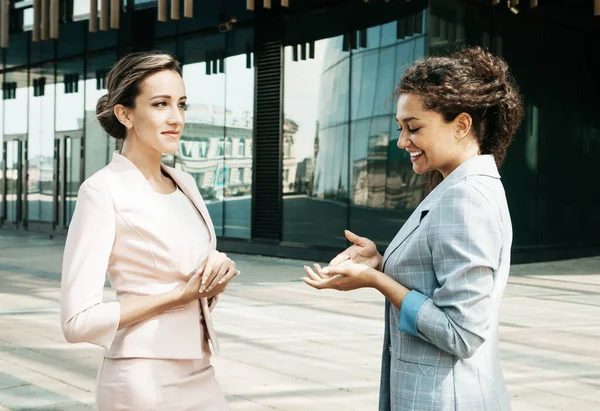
[408, 312]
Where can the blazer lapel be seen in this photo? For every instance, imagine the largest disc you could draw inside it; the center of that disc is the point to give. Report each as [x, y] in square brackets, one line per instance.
[480, 165]
[194, 196]
[192, 193]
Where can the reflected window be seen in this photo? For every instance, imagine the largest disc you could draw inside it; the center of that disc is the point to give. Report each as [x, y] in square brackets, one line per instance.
[41, 145]
[239, 129]
[241, 148]
[99, 146]
[315, 144]
[228, 146]
[201, 153]
[384, 189]
[339, 141]
[69, 132]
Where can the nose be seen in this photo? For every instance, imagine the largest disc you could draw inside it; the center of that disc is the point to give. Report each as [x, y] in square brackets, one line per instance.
[176, 117]
[403, 141]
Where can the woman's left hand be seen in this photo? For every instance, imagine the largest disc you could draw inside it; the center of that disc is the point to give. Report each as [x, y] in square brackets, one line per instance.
[216, 269]
[343, 277]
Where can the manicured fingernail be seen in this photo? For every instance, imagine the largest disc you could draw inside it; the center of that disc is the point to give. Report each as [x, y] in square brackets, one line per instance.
[202, 288]
[221, 281]
[325, 270]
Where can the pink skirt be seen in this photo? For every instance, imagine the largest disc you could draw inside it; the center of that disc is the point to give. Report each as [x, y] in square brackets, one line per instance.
[148, 384]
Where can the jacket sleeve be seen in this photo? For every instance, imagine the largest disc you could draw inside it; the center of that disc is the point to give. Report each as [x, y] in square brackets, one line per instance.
[84, 317]
[465, 238]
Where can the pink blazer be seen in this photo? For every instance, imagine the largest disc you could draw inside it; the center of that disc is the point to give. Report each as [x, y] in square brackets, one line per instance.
[118, 229]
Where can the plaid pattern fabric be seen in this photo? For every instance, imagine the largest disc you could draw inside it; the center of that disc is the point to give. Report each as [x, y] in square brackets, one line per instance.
[455, 251]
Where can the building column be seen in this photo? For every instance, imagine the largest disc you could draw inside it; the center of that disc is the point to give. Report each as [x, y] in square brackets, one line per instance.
[268, 113]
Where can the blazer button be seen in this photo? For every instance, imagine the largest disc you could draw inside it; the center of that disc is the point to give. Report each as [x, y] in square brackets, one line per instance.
[390, 348]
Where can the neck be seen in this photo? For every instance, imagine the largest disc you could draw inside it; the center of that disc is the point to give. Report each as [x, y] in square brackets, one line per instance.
[467, 154]
[144, 157]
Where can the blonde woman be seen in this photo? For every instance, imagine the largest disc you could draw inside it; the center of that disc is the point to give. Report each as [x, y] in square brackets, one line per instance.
[146, 226]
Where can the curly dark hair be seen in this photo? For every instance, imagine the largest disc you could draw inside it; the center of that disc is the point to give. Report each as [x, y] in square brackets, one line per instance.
[472, 81]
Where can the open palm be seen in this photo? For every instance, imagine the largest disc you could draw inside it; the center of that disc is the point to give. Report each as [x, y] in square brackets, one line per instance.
[363, 251]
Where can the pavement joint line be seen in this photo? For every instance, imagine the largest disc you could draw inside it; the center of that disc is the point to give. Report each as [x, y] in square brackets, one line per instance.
[46, 375]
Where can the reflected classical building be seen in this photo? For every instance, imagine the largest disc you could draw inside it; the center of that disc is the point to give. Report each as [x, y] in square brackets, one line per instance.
[222, 166]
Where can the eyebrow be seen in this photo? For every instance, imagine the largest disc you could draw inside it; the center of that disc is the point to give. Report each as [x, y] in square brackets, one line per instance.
[167, 97]
[407, 119]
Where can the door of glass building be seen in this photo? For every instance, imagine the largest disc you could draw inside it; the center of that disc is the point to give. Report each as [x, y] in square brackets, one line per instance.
[13, 188]
[67, 175]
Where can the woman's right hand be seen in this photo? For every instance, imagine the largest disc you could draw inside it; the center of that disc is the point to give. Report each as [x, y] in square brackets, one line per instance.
[189, 291]
[363, 251]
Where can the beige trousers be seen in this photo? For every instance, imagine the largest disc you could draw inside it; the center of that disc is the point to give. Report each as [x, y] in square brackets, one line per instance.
[145, 384]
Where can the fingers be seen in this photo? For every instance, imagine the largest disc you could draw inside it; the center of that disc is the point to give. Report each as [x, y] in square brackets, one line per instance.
[311, 274]
[320, 272]
[194, 280]
[208, 268]
[233, 271]
[214, 263]
[320, 284]
[354, 238]
[340, 258]
[220, 272]
[313, 283]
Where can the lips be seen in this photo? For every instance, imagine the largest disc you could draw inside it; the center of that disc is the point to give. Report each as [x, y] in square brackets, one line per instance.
[415, 155]
[173, 135]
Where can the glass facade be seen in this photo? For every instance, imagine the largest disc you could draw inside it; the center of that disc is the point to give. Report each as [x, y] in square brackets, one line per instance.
[551, 201]
[337, 160]
[344, 170]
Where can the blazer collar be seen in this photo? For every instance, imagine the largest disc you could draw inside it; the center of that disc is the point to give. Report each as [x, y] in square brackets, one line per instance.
[480, 165]
[121, 163]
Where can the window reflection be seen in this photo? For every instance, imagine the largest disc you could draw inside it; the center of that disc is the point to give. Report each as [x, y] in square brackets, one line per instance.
[339, 139]
[40, 152]
[315, 145]
[98, 145]
[15, 107]
[385, 190]
[216, 145]
[201, 148]
[238, 153]
[69, 127]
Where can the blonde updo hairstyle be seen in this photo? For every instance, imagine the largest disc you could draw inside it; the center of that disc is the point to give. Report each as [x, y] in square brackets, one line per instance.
[123, 83]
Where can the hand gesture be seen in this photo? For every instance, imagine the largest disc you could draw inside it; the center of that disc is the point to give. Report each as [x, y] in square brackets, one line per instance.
[217, 269]
[345, 276]
[363, 251]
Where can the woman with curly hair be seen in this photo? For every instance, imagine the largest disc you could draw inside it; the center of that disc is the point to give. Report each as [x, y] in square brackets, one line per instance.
[445, 272]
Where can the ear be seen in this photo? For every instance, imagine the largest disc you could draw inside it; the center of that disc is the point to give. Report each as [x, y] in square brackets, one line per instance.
[462, 124]
[122, 114]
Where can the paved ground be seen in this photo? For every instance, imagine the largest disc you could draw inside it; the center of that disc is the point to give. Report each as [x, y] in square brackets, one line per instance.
[287, 347]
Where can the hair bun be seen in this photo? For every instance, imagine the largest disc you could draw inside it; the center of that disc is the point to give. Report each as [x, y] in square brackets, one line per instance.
[107, 119]
[490, 67]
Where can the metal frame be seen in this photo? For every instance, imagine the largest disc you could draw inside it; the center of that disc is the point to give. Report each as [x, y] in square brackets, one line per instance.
[61, 174]
[21, 200]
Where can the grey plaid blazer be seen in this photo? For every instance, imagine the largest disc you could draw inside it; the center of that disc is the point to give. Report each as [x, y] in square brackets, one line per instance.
[441, 348]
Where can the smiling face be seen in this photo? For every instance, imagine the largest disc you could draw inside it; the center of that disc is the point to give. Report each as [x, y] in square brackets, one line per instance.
[158, 118]
[433, 143]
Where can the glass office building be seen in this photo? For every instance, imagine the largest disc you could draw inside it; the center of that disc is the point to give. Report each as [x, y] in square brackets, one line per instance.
[290, 131]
